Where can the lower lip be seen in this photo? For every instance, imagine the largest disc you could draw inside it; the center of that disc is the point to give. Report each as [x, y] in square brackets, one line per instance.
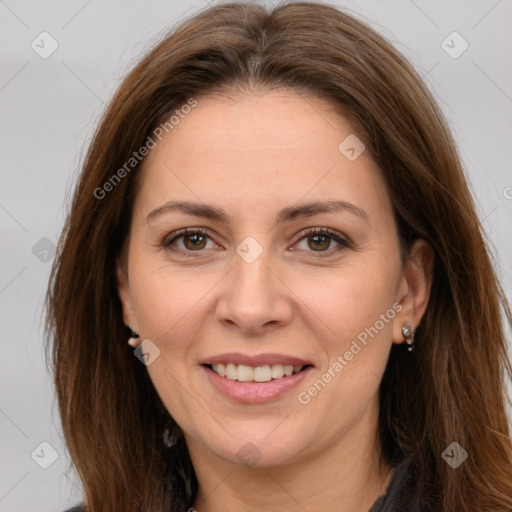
[256, 392]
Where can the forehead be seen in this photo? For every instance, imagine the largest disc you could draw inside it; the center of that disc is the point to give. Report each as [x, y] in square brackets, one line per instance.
[257, 149]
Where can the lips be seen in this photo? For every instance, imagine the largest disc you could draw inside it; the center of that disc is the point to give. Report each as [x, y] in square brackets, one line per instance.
[255, 379]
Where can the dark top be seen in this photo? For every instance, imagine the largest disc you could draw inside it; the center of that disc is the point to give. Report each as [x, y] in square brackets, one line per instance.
[399, 497]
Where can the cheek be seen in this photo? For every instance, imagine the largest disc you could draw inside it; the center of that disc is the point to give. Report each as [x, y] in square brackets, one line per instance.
[356, 307]
[167, 301]
[351, 301]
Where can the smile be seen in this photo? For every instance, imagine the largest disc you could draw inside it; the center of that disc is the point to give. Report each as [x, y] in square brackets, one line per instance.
[255, 379]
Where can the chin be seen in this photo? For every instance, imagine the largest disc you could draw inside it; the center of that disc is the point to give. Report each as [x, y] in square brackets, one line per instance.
[263, 452]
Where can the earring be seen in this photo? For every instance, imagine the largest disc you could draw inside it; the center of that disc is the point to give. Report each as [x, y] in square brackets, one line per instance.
[408, 333]
[134, 340]
[169, 439]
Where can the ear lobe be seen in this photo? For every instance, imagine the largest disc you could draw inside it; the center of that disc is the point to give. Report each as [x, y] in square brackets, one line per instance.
[123, 291]
[415, 287]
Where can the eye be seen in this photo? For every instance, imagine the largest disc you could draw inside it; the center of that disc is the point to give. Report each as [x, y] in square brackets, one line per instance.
[316, 240]
[320, 240]
[188, 240]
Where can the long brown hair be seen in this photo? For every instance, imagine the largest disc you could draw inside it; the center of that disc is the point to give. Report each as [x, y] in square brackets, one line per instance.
[451, 389]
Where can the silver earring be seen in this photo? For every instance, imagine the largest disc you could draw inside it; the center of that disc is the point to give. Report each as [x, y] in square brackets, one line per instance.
[134, 340]
[169, 439]
[408, 333]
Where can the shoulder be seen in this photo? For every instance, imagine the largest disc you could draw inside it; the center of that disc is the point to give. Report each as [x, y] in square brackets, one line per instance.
[76, 508]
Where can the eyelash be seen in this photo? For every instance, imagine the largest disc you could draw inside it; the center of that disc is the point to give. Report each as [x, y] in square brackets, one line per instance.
[305, 233]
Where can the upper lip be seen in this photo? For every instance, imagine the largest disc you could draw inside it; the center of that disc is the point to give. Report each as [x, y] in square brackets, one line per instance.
[256, 360]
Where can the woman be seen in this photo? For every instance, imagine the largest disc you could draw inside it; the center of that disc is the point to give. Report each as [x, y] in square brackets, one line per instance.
[272, 291]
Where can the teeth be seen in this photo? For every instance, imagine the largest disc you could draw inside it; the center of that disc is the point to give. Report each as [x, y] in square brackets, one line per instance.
[246, 373]
[261, 373]
[277, 371]
[231, 371]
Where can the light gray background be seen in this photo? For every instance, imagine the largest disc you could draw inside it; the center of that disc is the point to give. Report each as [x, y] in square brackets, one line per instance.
[49, 108]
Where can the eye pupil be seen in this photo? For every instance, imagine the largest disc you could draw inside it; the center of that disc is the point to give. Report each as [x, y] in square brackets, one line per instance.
[319, 242]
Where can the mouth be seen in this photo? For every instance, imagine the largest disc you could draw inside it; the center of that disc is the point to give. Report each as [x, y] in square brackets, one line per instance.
[255, 379]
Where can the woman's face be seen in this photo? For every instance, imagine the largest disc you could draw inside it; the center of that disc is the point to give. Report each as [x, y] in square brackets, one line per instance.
[296, 265]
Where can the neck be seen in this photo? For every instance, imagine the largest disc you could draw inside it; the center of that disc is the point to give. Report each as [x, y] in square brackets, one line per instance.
[349, 473]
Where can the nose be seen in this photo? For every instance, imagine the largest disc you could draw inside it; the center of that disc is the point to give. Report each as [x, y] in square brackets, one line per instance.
[254, 297]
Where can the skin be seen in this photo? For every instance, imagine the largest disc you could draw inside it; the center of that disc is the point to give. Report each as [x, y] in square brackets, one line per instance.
[253, 155]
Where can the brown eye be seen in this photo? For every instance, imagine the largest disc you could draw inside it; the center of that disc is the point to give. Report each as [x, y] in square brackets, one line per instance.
[187, 241]
[195, 241]
[319, 242]
[322, 241]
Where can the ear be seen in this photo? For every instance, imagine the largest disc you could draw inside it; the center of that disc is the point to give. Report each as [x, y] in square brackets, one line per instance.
[414, 288]
[125, 296]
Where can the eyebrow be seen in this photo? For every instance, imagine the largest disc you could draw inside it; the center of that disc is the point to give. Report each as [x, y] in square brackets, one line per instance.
[285, 215]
